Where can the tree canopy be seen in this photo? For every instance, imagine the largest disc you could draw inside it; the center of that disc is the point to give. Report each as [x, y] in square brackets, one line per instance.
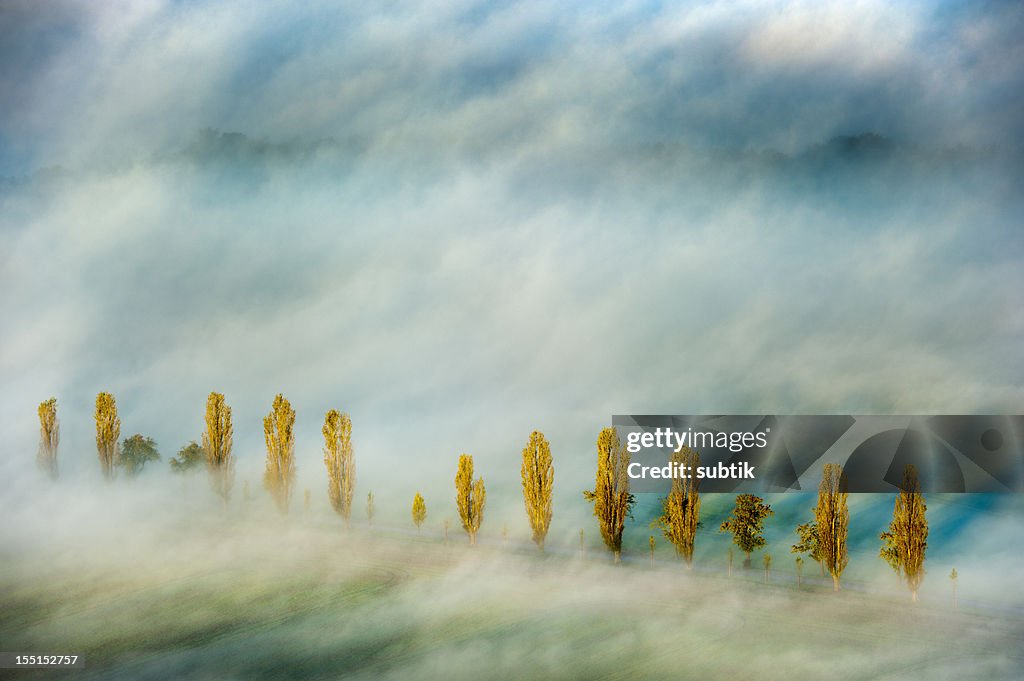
[680, 510]
[612, 499]
[747, 523]
[340, 462]
[279, 435]
[49, 437]
[191, 457]
[136, 452]
[419, 510]
[108, 430]
[538, 476]
[470, 497]
[904, 545]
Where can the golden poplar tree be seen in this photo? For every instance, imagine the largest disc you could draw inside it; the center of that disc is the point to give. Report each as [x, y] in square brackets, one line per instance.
[340, 462]
[610, 496]
[279, 434]
[905, 543]
[832, 519]
[49, 437]
[470, 497]
[538, 475]
[680, 512]
[108, 430]
[217, 442]
[419, 510]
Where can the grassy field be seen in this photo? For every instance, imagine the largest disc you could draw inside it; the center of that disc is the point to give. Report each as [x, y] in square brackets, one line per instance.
[279, 600]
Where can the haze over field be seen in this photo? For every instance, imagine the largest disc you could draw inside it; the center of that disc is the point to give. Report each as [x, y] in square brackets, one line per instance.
[150, 586]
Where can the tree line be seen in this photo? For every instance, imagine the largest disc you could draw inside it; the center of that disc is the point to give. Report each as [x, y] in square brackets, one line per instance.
[823, 539]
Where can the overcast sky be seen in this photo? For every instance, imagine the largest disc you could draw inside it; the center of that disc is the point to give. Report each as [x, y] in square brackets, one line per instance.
[462, 221]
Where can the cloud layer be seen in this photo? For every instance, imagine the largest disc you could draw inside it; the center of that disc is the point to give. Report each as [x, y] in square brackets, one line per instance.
[82, 83]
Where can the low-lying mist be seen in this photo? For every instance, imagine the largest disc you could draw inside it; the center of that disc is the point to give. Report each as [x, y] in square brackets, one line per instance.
[152, 579]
